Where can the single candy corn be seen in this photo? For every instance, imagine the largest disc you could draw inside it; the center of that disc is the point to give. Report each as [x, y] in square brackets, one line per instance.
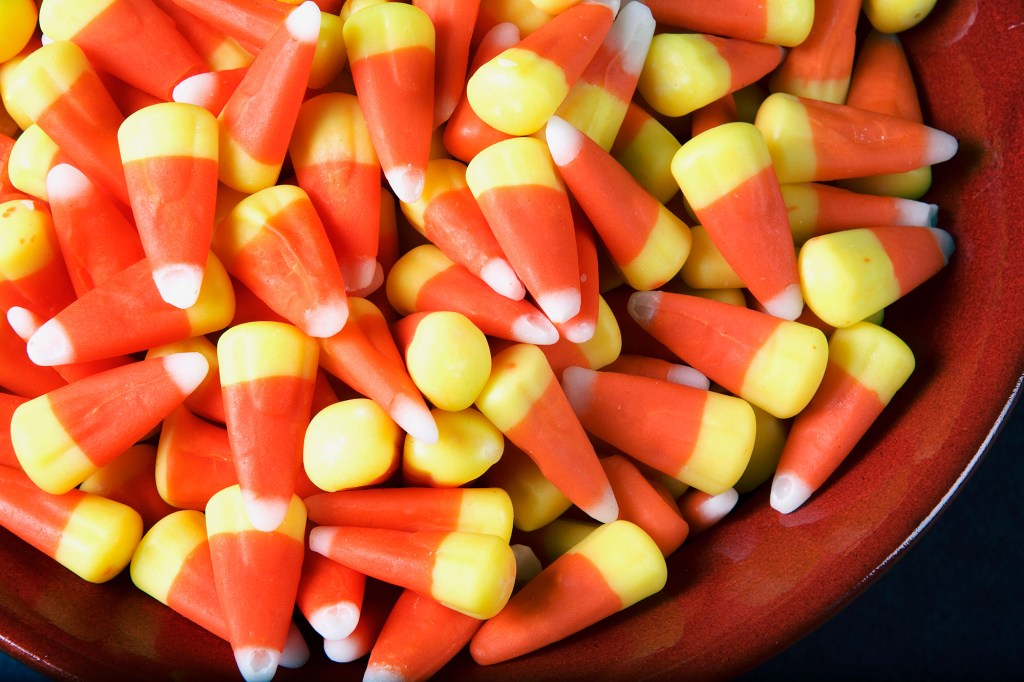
[702, 510]
[646, 503]
[133, 40]
[701, 438]
[772, 363]
[453, 22]
[647, 242]
[779, 22]
[515, 183]
[364, 355]
[597, 103]
[257, 121]
[517, 91]
[18, 374]
[448, 215]
[419, 637]
[96, 239]
[193, 460]
[32, 272]
[816, 208]
[88, 534]
[33, 155]
[335, 163]
[850, 275]
[813, 141]
[611, 569]
[447, 357]
[471, 510]
[820, 67]
[267, 371]
[467, 445]
[424, 280]
[330, 595]
[59, 91]
[867, 365]
[248, 562]
[130, 303]
[686, 71]
[350, 444]
[523, 399]
[172, 183]
[645, 148]
[274, 242]
[727, 176]
[64, 436]
[391, 55]
[471, 573]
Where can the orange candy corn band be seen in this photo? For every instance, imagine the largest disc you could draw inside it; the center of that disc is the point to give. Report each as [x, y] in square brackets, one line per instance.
[780, 22]
[649, 507]
[820, 67]
[18, 374]
[453, 22]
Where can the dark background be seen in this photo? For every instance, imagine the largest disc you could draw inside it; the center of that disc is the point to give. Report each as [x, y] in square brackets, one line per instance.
[949, 609]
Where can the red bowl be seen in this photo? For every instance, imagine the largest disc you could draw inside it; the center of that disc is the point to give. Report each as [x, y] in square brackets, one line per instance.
[759, 581]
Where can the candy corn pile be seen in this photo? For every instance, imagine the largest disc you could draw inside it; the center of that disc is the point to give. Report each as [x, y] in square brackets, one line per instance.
[441, 324]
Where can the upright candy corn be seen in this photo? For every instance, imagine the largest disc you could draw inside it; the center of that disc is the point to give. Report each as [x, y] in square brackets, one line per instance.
[820, 66]
[172, 183]
[335, 163]
[130, 39]
[471, 573]
[274, 242]
[64, 436]
[391, 55]
[772, 363]
[701, 438]
[32, 272]
[727, 177]
[612, 568]
[850, 275]
[778, 22]
[515, 183]
[248, 562]
[812, 141]
[257, 121]
[130, 303]
[88, 534]
[267, 371]
[867, 365]
[59, 91]
[646, 241]
[523, 399]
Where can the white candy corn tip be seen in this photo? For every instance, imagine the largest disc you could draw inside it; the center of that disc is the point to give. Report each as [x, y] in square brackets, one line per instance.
[607, 508]
[359, 274]
[382, 672]
[296, 651]
[198, 89]
[304, 22]
[264, 514]
[945, 242]
[716, 508]
[320, 539]
[527, 563]
[631, 36]
[941, 147]
[643, 306]
[564, 141]
[688, 376]
[788, 493]
[912, 212]
[65, 181]
[786, 305]
[499, 275]
[577, 384]
[23, 322]
[324, 321]
[179, 284]
[534, 328]
[51, 345]
[415, 419]
[578, 331]
[187, 370]
[257, 664]
[560, 306]
[345, 650]
[335, 621]
[406, 182]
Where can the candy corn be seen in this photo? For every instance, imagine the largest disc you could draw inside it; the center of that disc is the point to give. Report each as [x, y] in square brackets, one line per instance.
[32, 272]
[778, 22]
[329, 595]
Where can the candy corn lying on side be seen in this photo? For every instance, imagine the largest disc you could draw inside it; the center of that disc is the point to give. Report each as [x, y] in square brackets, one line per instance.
[393, 330]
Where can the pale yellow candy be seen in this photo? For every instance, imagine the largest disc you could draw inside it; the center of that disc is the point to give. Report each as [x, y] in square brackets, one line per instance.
[535, 500]
[443, 176]
[523, 13]
[28, 242]
[229, 55]
[770, 437]
[99, 538]
[785, 372]
[705, 268]
[468, 444]
[561, 535]
[448, 359]
[788, 22]
[554, 6]
[48, 454]
[682, 73]
[716, 162]
[518, 379]
[225, 513]
[912, 184]
[247, 219]
[648, 158]
[330, 56]
[18, 18]
[663, 254]
[379, 28]
[259, 350]
[628, 559]
[473, 573]
[512, 163]
[410, 273]
[486, 510]
[7, 69]
[163, 549]
[330, 127]
[350, 444]
[45, 76]
[879, 359]
[517, 91]
[894, 16]
[783, 122]
[215, 307]
[185, 130]
[33, 155]
[723, 447]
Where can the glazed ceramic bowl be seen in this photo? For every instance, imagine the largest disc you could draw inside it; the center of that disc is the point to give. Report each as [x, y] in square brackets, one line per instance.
[759, 581]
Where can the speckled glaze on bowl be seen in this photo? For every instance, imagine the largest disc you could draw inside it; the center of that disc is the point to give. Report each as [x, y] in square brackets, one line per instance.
[751, 586]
